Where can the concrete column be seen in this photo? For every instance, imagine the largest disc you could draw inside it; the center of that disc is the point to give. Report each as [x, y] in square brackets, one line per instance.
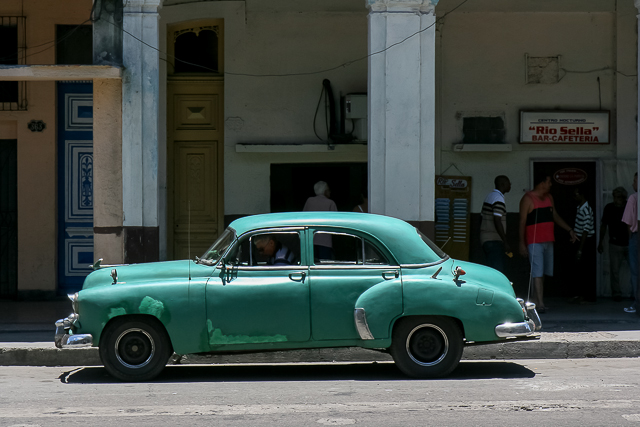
[637, 4]
[140, 95]
[108, 233]
[402, 110]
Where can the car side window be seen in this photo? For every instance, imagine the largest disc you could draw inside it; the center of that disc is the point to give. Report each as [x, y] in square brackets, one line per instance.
[267, 249]
[336, 248]
[333, 248]
[372, 256]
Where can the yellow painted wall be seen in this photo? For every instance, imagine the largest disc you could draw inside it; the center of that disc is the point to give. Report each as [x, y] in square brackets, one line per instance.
[37, 177]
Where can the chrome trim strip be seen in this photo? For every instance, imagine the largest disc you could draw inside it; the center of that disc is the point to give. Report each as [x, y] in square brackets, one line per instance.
[429, 264]
[360, 318]
[353, 267]
[515, 329]
[264, 267]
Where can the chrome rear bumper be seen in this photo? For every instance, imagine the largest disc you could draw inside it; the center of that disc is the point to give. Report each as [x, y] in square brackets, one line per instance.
[529, 326]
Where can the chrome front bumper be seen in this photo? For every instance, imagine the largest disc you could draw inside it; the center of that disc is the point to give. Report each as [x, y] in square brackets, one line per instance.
[65, 338]
[528, 327]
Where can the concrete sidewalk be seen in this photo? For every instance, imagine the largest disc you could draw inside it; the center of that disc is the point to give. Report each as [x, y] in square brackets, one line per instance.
[569, 331]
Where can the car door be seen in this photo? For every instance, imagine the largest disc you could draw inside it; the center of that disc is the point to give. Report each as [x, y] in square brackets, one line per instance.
[250, 301]
[337, 280]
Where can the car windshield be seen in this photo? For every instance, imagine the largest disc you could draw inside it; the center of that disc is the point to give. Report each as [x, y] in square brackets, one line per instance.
[213, 254]
[432, 245]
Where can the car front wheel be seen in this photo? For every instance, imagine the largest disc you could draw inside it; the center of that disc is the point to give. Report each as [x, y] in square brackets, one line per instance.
[135, 350]
[426, 347]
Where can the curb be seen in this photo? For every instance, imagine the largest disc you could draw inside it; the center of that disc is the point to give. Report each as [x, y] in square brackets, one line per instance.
[38, 356]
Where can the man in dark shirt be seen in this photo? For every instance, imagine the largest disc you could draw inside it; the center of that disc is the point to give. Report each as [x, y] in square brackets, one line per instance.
[618, 238]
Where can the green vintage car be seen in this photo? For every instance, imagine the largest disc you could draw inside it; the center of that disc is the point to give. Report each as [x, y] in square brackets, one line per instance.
[297, 281]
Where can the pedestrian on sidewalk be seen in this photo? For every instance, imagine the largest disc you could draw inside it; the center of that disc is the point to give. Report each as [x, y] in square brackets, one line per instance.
[630, 217]
[537, 218]
[618, 238]
[584, 261]
[493, 230]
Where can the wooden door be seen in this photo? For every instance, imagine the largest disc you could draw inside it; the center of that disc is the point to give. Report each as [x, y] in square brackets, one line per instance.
[195, 154]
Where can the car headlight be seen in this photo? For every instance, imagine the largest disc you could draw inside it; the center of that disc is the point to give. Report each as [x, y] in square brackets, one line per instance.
[74, 301]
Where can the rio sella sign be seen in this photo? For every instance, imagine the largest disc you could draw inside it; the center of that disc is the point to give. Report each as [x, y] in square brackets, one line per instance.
[564, 127]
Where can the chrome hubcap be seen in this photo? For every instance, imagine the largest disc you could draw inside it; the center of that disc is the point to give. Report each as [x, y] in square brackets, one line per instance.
[135, 348]
[427, 345]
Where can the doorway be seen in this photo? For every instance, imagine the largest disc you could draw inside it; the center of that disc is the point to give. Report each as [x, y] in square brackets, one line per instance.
[195, 144]
[292, 184]
[566, 175]
[8, 218]
[75, 185]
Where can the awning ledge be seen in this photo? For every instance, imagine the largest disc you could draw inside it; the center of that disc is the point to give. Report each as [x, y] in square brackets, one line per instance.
[58, 72]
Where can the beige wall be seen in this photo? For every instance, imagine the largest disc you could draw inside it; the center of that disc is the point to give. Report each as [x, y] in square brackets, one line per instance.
[108, 241]
[37, 177]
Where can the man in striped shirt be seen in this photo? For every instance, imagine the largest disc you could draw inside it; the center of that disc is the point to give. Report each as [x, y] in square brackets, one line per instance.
[494, 224]
[585, 257]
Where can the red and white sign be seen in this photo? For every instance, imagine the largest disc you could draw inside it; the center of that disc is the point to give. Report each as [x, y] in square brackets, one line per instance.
[570, 176]
[580, 127]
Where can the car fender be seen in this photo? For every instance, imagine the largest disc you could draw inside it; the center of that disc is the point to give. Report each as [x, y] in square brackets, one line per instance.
[478, 309]
[178, 306]
[382, 303]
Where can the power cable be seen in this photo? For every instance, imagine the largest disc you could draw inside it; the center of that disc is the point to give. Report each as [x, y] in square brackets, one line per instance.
[310, 73]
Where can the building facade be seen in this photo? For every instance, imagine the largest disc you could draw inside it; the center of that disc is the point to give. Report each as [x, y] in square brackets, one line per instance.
[206, 111]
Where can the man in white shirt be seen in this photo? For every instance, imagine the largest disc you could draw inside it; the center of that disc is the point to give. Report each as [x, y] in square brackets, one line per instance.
[584, 285]
[493, 229]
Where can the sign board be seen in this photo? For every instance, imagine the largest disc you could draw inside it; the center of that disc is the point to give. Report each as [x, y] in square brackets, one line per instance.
[570, 176]
[564, 127]
[453, 201]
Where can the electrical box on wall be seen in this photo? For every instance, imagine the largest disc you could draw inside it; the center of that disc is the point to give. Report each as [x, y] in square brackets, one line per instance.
[355, 109]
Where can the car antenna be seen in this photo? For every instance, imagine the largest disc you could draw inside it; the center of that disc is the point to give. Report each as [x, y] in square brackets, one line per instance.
[189, 235]
[445, 243]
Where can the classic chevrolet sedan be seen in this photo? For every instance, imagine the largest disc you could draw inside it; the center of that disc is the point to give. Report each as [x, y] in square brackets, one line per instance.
[298, 281]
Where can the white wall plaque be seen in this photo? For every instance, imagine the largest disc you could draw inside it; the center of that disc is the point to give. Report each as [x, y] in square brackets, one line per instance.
[564, 127]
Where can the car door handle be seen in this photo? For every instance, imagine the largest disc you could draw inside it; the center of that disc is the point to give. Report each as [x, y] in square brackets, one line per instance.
[388, 275]
[298, 276]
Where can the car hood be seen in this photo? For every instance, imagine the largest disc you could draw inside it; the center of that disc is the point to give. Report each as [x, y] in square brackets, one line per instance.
[146, 273]
[480, 275]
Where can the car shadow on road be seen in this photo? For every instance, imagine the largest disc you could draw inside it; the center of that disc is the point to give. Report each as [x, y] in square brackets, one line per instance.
[377, 371]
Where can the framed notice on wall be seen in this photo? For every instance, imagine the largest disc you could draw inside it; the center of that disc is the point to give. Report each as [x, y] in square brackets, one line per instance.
[564, 127]
[453, 201]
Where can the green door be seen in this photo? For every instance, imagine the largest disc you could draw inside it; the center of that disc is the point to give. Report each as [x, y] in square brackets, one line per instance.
[260, 298]
[337, 280]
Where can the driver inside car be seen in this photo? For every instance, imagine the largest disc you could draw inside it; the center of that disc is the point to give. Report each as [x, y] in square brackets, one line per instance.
[278, 254]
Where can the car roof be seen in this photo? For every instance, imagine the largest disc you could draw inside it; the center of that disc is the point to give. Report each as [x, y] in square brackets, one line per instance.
[399, 236]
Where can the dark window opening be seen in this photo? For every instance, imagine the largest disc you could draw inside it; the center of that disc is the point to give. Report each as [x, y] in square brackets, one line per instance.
[292, 184]
[483, 130]
[74, 44]
[196, 53]
[9, 56]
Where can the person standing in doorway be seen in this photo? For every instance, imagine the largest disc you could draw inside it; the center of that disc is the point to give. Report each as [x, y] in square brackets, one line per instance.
[630, 217]
[322, 243]
[493, 230]
[537, 218]
[618, 238]
[585, 257]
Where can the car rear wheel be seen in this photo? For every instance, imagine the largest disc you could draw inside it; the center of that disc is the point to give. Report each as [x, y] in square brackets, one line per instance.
[426, 347]
[135, 350]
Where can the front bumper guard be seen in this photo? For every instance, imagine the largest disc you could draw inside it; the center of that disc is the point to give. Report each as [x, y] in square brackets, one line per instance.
[64, 337]
[521, 329]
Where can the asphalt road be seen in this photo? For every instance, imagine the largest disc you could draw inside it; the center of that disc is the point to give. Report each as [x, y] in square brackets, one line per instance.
[515, 393]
